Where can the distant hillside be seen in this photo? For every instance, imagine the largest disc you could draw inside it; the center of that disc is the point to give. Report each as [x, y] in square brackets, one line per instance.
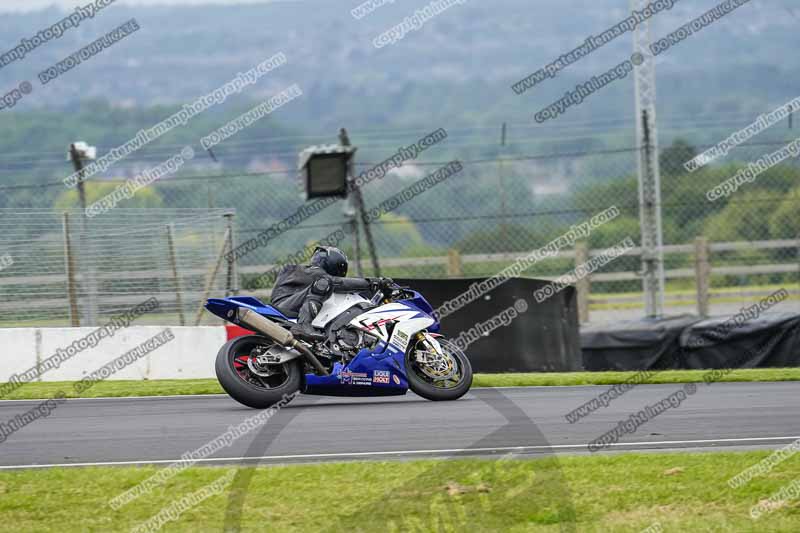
[457, 68]
[456, 72]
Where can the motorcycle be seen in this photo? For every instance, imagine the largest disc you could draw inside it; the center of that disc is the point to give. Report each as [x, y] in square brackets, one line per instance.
[383, 346]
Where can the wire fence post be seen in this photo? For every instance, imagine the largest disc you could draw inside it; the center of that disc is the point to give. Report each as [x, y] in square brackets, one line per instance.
[69, 267]
[583, 285]
[453, 263]
[702, 268]
[501, 178]
[232, 279]
[353, 229]
[212, 276]
[173, 261]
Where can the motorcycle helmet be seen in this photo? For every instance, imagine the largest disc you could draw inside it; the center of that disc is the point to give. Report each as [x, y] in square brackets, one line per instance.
[331, 260]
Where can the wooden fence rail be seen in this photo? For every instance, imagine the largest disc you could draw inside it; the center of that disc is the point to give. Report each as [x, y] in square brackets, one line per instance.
[453, 264]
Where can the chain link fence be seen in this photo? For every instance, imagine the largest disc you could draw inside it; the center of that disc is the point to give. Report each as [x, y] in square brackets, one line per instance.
[474, 223]
[66, 269]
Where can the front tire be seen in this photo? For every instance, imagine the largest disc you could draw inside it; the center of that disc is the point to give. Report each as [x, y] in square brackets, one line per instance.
[253, 389]
[430, 388]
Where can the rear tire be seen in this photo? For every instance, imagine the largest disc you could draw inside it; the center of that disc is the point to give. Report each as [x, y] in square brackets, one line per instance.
[247, 388]
[424, 386]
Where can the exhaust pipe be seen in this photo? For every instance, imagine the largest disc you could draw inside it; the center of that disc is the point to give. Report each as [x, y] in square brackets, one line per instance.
[258, 323]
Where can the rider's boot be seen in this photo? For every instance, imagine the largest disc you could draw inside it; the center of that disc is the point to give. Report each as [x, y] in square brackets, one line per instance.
[303, 329]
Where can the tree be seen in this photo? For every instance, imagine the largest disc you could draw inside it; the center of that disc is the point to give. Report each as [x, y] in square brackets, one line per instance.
[784, 223]
[743, 219]
[673, 158]
[95, 190]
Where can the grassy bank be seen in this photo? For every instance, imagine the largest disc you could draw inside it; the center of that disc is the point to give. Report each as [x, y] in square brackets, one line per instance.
[210, 386]
[626, 493]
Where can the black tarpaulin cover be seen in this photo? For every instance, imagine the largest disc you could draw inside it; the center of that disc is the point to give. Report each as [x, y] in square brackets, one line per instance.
[689, 342]
[771, 340]
[634, 344]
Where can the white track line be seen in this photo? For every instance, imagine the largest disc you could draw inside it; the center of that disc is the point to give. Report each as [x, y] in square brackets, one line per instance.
[396, 452]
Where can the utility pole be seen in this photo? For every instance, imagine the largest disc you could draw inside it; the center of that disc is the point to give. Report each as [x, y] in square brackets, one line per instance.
[78, 152]
[351, 209]
[649, 171]
[357, 206]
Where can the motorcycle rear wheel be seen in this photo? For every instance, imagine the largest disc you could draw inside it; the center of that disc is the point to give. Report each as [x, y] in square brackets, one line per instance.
[248, 388]
[428, 387]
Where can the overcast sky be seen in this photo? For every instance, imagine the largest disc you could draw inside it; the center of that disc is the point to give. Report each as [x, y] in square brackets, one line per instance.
[27, 5]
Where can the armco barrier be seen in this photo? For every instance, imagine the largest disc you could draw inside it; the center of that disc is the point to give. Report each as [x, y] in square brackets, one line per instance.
[190, 355]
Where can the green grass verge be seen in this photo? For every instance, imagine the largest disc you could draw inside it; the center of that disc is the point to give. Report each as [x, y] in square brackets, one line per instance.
[620, 493]
[611, 378]
[210, 386]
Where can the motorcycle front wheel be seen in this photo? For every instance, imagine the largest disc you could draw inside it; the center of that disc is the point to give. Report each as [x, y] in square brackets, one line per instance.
[437, 369]
[252, 384]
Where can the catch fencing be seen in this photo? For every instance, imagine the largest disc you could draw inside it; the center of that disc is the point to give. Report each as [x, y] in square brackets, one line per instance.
[70, 270]
[505, 203]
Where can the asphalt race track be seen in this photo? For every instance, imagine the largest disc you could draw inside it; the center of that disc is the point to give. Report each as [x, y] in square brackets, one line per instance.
[527, 421]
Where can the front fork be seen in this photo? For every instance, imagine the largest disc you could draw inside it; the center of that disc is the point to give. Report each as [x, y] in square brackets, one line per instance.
[434, 362]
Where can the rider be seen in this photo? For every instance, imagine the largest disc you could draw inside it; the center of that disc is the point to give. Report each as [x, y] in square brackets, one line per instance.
[300, 290]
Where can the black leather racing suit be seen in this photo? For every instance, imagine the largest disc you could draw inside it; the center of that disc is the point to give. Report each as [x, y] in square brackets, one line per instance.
[300, 290]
